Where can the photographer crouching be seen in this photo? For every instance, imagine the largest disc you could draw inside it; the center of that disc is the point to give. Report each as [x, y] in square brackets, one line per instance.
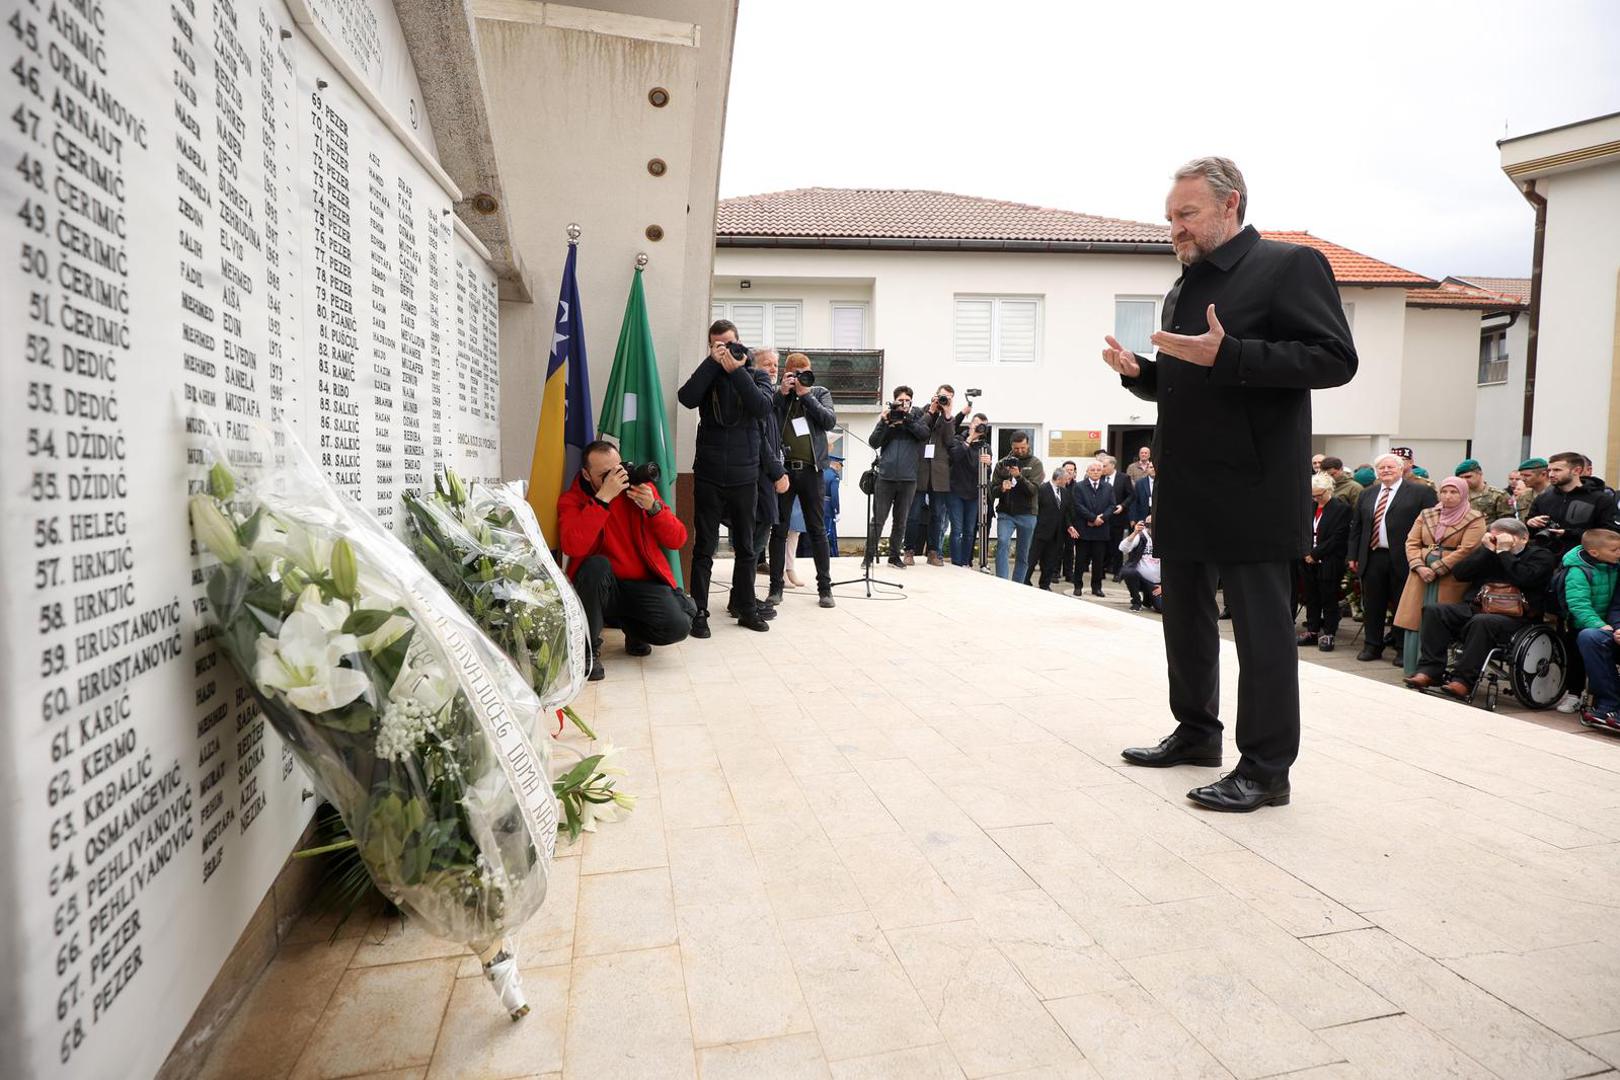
[898, 439]
[615, 551]
[805, 412]
[730, 405]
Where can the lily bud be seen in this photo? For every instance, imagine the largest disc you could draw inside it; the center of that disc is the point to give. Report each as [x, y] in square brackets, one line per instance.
[220, 482]
[458, 491]
[214, 530]
[345, 575]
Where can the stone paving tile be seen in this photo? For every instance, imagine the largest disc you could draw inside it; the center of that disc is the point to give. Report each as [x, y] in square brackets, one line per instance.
[830, 874]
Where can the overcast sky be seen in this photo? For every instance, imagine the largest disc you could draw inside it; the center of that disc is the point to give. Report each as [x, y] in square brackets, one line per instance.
[1372, 124]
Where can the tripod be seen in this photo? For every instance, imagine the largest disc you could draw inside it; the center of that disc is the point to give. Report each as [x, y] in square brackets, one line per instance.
[984, 519]
[866, 577]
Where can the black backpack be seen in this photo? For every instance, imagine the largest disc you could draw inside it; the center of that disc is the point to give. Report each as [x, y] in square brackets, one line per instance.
[1557, 600]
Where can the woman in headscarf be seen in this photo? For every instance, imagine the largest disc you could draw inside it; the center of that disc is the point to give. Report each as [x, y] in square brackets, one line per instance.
[1440, 538]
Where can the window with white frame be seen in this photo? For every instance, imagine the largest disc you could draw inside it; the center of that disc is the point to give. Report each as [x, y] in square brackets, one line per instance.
[849, 326]
[998, 329]
[774, 323]
[1135, 319]
[1493, 357]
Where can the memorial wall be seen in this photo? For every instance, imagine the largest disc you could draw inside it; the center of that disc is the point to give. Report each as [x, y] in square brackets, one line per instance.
[208, 224]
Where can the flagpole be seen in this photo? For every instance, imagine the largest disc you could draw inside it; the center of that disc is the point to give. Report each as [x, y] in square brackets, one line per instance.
[573, 234]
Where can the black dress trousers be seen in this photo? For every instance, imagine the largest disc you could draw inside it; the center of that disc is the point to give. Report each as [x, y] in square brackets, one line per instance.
[1383, 576]
[1260, 596]
[735, 503]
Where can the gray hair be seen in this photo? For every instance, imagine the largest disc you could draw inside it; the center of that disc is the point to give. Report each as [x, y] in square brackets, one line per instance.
[1512, 526]
[1223, 176]
[1321, 482]
[769, 351]
[1396, 458]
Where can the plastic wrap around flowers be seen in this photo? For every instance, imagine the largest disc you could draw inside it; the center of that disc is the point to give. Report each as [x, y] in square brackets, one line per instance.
[410, 722]
[483, 544]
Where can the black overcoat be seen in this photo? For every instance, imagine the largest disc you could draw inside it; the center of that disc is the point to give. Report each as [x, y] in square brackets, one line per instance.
[1233, 441]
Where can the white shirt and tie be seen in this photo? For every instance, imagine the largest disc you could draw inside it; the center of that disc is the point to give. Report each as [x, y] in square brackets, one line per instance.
[1381, 515]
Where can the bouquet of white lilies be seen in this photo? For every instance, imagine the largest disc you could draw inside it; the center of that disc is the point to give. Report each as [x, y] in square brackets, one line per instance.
[410, 722]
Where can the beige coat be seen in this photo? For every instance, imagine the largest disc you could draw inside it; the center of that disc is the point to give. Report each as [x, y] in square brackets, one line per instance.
[1459, 541]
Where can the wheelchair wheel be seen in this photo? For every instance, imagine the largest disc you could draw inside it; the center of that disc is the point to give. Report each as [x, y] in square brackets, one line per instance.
[1537, 666]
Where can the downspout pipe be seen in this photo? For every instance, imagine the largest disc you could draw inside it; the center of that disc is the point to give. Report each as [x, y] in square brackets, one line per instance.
[1539, 201]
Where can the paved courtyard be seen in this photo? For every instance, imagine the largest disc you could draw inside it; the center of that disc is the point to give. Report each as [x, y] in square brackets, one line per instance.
[896, 840]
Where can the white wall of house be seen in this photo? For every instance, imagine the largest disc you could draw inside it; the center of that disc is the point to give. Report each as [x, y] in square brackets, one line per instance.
[1066, 387]
[1580, 276]
[1371, 402]
[1499, 409]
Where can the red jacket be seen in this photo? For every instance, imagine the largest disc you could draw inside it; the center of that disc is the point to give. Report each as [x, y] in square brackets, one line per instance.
[632, 541]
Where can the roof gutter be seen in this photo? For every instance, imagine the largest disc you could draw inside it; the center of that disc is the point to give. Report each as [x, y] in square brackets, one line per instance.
[1528, 189]
[906, 243]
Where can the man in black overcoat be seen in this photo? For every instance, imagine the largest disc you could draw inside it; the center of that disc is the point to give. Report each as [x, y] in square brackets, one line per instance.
[1250, 328]
[1051, 527]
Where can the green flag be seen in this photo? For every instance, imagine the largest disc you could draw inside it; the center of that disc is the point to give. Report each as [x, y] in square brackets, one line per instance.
[633, 410]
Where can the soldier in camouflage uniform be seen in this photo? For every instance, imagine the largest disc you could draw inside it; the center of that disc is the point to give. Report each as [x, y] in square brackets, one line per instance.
[1492, 502]
[1533, 471]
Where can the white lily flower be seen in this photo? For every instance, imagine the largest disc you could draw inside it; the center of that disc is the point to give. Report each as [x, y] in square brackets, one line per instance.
[609, 752]
[215, 531]
[331, 615]
[423, 681]
[270, 544]
[309, 551]
[590, 813]
[303, 663]
[396, 627]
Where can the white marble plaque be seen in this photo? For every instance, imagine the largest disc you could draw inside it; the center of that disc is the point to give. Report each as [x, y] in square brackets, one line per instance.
[194, 226]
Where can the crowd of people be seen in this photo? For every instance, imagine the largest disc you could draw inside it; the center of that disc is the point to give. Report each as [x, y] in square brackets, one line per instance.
[1444, 573]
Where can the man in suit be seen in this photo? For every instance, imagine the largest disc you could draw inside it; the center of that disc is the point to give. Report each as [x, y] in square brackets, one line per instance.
[1383, 518]
[1118, 519]
[1051, 526]
[1233, 451]
[1142, 497]
[1090, 509]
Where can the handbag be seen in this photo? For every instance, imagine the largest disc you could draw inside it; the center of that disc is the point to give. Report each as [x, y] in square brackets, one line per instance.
[1500, 598]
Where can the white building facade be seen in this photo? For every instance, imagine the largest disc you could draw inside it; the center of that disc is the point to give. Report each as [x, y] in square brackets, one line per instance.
[1015, 301]
[1571, 176]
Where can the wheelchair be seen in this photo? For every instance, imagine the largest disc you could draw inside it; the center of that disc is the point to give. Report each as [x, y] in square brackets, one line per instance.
[1534, 664]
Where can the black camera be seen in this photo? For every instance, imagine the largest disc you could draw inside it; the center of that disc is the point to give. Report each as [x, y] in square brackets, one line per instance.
[805, 377]
[739, 352]
[897, 412]
[942, 400]
[644, 473]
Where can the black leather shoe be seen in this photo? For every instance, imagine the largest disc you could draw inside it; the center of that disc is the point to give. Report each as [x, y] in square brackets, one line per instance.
[827, 600]
[597, 674]
[1369, 653]
[764, 610]
[700, 626]
[636, 647]
[897, 564]
[1173, 750]
[774, 597]
[1235, 793]
[754, 622]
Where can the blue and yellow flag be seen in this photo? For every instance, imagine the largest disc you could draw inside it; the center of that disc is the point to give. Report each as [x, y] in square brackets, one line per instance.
[565, 410]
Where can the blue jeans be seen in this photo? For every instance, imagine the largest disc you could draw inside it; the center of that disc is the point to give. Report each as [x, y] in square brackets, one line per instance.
[1026, 536]
[963, 513]
[1598, 651]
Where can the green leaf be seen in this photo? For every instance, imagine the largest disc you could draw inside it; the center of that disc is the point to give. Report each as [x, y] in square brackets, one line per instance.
[365, 621]
[355, 717]
[248, 531]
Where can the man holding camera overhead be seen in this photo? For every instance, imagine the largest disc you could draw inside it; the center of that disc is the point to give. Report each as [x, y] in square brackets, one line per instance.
[730, 404]
[898, 439]
[615, 548]
[805, 413]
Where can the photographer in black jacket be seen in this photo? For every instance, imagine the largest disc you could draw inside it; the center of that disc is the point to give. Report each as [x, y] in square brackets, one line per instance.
[804, 413]
[725, 471]
[898, 439]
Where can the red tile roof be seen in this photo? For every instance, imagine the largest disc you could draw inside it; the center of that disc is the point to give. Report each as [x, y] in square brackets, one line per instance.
[1516, 287]
[1352, 267]
[864, 215]
[918, 215]
[1453, 293]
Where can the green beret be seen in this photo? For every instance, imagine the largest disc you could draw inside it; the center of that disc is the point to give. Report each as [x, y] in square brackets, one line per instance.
[1420, 471]
[1365, 475]
[1533, 463]
[1467, 465]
